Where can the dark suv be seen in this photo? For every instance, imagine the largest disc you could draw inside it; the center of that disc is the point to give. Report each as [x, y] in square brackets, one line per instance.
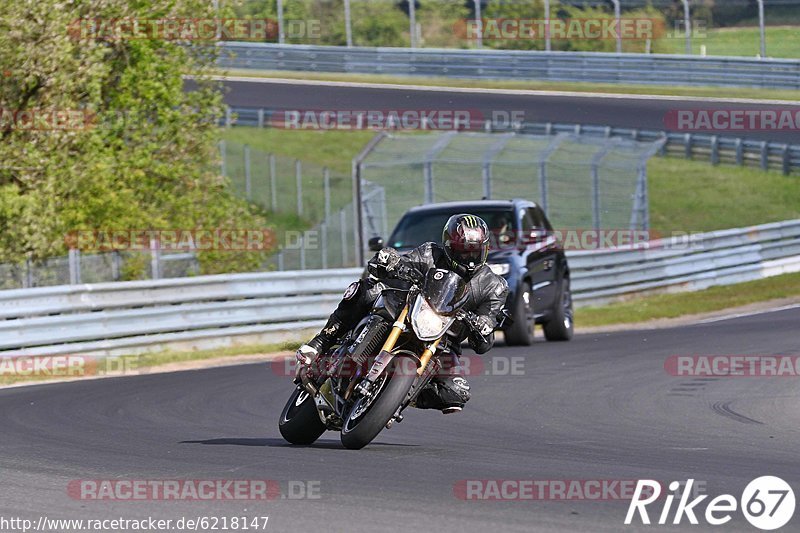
[523, 250]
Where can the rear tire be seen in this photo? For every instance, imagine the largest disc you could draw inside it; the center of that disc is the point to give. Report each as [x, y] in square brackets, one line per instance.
[561, 327]
[390, 396]
[520, 333]
[300, 422]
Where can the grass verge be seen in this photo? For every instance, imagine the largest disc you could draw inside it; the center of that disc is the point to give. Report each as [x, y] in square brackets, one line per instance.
[604, 88]
[133, 364]
[689, 303]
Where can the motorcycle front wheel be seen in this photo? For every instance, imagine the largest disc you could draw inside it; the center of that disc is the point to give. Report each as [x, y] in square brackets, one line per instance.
[369, 416]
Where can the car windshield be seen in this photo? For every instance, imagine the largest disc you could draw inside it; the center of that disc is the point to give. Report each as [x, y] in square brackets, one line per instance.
[419, 228]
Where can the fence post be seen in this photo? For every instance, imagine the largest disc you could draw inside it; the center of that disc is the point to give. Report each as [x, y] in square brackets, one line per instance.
[260, 117]
[228, 118]
[739, 152]
[272, 186]
[427, 173]
[687, 21]
[342, 224]
[487, 181]
[326, 185]
[298, 176]
[618, 18]
[714, 150]
[595, 197]
[27, 281]
[761, 28]
[116, 265]
[479, 20]
[302, 252]
[155, 260]
[280, 261]
[764, 155]
[223, 152]
[247, 183]
[324, 243]
[281, 34]
[348, 24]
[547, 43]
[787, 160]
[412, 21]
[74, 262]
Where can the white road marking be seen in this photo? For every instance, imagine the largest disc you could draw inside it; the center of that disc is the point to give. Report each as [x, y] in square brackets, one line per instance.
[753, 313]
[522, 92]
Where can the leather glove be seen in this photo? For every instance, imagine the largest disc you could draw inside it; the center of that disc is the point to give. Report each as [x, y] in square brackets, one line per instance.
[388, 258]
[478, 323]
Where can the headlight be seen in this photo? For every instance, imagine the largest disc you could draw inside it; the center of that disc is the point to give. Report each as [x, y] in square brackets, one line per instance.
[427, 323]
[501, 269]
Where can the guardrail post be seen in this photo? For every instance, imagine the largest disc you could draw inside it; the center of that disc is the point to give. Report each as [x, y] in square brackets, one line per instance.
[260, 117]
[272, 186]
[280, 261]
[247, 184]
[687, 145]
[298, 176]
[714, 150]
[739, 152]
[764, 155]
[228, 118]
[74, 262]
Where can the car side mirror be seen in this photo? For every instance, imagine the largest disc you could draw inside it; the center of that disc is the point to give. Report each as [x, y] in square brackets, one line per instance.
[375, 244]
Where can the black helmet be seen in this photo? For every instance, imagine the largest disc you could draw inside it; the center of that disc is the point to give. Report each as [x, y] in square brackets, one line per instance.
[466, 241]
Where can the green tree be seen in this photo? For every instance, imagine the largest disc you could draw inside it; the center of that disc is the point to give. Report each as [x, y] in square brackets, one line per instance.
[146, 156]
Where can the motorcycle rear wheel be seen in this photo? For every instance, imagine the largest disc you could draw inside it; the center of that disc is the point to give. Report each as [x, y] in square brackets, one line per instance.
[300, 422]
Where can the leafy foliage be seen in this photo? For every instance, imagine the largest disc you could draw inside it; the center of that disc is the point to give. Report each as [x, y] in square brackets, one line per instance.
[145, 158]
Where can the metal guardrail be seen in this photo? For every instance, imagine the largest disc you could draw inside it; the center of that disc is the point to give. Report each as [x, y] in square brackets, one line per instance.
[716, 149]
[115, 318]
[594, 67]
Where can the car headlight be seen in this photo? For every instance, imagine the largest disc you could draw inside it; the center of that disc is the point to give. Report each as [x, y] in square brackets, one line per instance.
[427, 323]
[501, 269]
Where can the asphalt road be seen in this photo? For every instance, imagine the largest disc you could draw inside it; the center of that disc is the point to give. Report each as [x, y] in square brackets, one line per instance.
[599, 407]
[630, 112]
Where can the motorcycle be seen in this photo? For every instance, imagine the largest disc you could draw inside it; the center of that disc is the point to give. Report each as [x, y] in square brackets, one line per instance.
[358, 393]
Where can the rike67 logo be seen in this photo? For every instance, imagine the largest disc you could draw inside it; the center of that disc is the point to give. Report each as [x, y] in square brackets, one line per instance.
[767, 503]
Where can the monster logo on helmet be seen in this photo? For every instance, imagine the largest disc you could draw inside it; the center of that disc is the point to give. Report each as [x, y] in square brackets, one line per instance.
[465, 239]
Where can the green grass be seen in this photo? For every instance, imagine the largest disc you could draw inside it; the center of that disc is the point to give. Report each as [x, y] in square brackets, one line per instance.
[782, 42]
[141, 363]
[606, 88]
[687, 303]
[696, 196]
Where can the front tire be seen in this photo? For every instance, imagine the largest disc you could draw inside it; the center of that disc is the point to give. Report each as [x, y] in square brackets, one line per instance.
[520, 333]
[392, 388]
[300, 422]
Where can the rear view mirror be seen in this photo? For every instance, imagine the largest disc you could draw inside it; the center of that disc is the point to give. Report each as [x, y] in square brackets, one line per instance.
[376, 244]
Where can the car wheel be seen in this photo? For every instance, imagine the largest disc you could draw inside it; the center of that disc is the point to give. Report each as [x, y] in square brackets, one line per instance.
[561, 326]
[520, 333]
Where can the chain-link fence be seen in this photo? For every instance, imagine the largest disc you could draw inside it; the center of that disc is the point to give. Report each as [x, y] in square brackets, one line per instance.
[582, 182]
[307, 195]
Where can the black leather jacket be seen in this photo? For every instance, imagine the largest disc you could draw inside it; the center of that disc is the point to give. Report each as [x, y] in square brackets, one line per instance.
[486, 290]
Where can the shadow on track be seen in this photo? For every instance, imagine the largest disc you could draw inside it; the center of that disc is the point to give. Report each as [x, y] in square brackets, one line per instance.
[280, 443]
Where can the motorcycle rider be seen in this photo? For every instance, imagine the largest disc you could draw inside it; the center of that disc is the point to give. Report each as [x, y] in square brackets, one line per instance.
[464, 249]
